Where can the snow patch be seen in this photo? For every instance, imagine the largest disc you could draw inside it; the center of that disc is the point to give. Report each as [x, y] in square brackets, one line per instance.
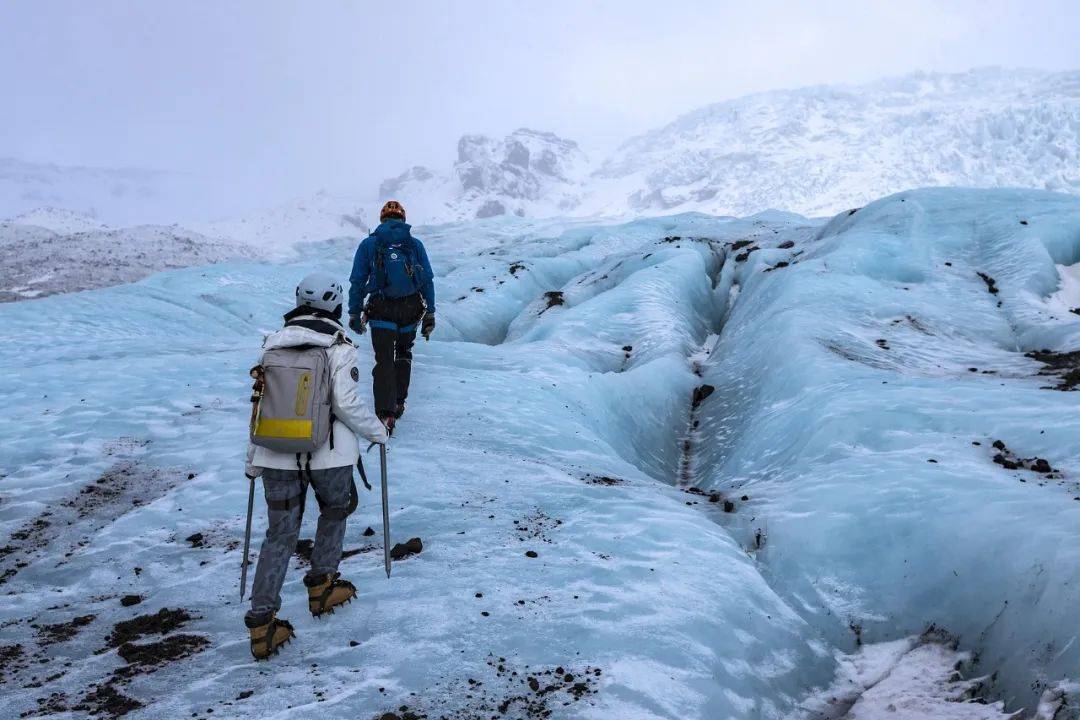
[910, 679]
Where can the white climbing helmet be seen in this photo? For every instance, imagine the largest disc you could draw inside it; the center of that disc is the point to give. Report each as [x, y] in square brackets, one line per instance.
[319, 290]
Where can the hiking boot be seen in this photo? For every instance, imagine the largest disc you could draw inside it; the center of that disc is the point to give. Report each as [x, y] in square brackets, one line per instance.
[326, 592]
[268, 634]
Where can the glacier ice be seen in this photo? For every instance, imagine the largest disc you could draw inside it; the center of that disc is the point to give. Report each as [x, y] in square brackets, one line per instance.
[552, 413]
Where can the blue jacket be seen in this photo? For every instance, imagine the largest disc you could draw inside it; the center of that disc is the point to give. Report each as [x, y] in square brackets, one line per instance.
[365, 254]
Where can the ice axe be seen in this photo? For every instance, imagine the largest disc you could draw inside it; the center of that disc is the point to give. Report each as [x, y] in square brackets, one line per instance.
[247, 540]
[385, 510]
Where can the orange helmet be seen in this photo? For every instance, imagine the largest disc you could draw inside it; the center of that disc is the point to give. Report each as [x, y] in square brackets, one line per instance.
[392, 209]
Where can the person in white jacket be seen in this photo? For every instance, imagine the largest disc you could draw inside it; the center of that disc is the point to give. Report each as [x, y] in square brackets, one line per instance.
[316, 321]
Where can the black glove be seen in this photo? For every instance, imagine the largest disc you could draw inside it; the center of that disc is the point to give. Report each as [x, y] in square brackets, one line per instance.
[428, 325]
[358, 323]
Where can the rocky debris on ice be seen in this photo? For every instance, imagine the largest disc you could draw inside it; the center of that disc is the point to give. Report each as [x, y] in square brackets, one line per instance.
[505, 690]
[41, 262]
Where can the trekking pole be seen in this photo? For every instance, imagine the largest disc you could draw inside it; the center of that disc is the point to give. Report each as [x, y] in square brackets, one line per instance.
[257, 388]
[385, 512]
[247, 541]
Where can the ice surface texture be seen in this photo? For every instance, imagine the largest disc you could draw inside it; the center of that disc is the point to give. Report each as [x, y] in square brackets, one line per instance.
[552, 413]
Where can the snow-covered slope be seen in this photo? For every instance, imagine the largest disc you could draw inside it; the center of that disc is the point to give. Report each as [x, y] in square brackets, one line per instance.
[59, 220]
[39, 261]
[815, 150]
[819, 150]
[277, 231]
[50, 250]
[527, 173]
[736, 449]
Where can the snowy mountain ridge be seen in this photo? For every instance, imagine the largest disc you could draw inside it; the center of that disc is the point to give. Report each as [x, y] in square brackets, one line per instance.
[59, 220]
[527, 173]
[814, 151]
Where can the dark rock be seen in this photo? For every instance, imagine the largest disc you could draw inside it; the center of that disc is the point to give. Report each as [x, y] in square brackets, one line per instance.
[106, 700]
[531, 554]
[603, 480]
[369, 532]
[196, 540]
[401, 551]
[166, 650]
[129, 600]
[701, 392]
[61, 632]
[160, 623]
[991, 284]
[1065, 366]
[304, 548]
[554, 298]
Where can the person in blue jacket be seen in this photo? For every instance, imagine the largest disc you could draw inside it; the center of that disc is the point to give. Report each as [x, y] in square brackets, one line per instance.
[392, 291]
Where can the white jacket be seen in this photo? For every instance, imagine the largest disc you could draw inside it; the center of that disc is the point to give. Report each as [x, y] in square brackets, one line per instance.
[353, 417]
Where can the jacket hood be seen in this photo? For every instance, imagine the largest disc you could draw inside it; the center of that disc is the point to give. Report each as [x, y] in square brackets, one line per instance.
[393, 230]
[306, 329]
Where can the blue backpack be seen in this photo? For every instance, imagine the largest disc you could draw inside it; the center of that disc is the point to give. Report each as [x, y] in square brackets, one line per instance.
[396, 270]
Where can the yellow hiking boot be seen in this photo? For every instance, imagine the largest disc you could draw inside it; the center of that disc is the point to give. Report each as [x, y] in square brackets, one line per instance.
[268, 635]
[327, 592]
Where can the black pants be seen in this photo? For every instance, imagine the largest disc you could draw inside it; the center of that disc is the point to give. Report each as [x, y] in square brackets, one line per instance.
[393, 323]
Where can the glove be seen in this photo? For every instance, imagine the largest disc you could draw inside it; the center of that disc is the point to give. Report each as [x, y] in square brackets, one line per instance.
[358, 323]
[250, 471]
[428, 325]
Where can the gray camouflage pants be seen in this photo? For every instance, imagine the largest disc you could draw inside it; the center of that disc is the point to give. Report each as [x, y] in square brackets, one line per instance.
[285, 492]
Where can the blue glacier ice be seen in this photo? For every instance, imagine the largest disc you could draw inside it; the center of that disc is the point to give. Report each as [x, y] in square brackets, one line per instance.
[714, 555]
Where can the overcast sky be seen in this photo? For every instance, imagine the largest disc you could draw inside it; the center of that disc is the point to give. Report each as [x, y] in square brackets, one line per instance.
[284, 98]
